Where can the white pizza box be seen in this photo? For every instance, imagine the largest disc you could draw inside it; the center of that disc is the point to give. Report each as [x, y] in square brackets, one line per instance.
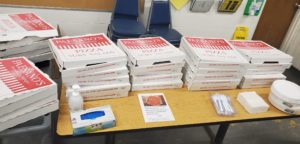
[28, 113]
[41, 57]
[27, 48]
[81, 51]
[263, 79]
[157, 85]
[150, 51]
[20, 25]
[93, 76]
[192, 75]
[254, 85]
[93, 68]
[29, 53]
[20, 79]
[156, 78]
[101, 91]
[205, 88]
[252, 102]
[21, 110]
[52, 93]
[108, 95]
[98, 81]
[211, 84]
[211, 64]
[263, 71]
[211, 50]
[268, 66]
[153, 68]
[22, 43]
[83, 121]
[259, 52]
[279, 104]
[211, 71]
[157, 72]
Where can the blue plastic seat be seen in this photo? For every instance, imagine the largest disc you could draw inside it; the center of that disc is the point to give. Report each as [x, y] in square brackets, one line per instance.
[159, 22]
[125, 20]
[127, 27]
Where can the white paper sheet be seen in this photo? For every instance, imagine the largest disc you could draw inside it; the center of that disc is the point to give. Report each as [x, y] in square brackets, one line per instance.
[155, 107]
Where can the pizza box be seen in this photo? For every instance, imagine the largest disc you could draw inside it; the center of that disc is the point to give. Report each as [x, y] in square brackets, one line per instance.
[23, 49]
[211, 64]
[28, 54]
[21, 43]
[20, 25]
[157, 72]
[99, 81]
[261, 79]
[107, 95]
[211, 50]
[150, 51]
[259, 52]
[122, 71]
[212, 71]
[27, 113]
[263, 71]
[51, 93]
[20, 79]
[86, 50]
[156, 78]
[196, 76]
[153, 68]
[93, 68]
[174, 84]
[211, 84]
[268, 66]
[104, 91]
[254, 85]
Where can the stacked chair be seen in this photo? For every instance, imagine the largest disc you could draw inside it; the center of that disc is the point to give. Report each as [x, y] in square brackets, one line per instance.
[125, 21]
[159, 22]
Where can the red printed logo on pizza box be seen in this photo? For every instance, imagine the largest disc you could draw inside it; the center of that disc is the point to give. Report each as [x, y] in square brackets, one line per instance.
[19, 75]
[30, 22]
[81, 42]
[146, 43]
[205, 43]
[258, 45]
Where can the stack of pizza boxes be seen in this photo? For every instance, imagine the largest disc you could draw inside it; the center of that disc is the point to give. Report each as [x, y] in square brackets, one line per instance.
[211, 64]
[94, 63]
[154, 63]
[25, 92]
[266, 63]
[25, 34]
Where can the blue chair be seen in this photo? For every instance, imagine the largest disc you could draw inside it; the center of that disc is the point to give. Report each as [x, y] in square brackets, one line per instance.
[125, 20]
[159, 22]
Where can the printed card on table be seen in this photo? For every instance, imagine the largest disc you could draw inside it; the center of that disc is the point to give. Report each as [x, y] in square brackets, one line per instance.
[155, 107]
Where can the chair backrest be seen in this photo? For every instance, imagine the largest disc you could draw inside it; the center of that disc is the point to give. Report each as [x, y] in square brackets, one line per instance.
[127, 9]
[159, 14]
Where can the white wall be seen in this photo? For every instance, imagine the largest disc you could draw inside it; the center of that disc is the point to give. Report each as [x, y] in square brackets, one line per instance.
[210, 24]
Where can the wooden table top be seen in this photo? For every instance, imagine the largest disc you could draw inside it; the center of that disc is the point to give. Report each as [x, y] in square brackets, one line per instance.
[188, 107]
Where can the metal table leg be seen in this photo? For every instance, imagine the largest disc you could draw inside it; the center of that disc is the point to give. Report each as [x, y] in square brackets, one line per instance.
[110, 139]
[219, 137]
[221, 133]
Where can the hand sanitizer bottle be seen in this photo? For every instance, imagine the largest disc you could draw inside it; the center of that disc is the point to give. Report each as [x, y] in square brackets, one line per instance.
[75, 101]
